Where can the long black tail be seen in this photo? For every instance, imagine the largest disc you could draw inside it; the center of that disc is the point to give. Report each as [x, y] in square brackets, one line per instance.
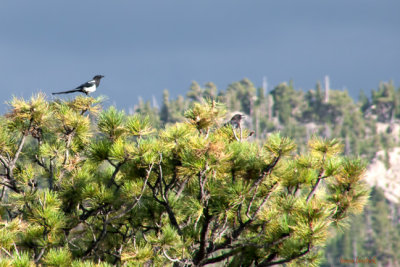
[67, 92]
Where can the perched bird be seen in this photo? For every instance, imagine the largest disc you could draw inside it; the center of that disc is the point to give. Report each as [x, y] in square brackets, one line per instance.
[87, 87]
[235, 121]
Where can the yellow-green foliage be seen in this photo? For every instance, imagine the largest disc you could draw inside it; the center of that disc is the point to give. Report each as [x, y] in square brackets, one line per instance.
[85, 187]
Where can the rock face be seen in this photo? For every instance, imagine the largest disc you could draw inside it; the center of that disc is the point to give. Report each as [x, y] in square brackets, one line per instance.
[388, 179]
[390, 128]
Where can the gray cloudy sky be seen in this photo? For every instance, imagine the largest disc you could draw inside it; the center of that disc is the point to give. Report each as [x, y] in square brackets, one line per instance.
[143, 47]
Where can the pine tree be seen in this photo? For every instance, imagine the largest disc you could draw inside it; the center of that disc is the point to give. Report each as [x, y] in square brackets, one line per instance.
[165, 109]
[83, 186]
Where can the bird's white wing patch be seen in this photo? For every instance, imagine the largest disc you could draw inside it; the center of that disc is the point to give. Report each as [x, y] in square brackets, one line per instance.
[90, 89]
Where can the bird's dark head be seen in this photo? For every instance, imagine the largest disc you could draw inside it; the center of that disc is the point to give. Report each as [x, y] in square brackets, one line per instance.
[237, 117]
[98, 77]
[236, 120]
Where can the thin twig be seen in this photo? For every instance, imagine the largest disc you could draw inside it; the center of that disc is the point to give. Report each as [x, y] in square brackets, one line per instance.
[280, 262]
[67, 146]
[234, 133]
[251, 202]
[321, 172]
[169, 258]
[3, 161]
[21, 145]
[8, 253]
[37, 259]
[137, 199]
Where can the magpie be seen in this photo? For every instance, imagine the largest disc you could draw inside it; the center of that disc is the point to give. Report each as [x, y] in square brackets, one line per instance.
[87, 87]
[235, 121]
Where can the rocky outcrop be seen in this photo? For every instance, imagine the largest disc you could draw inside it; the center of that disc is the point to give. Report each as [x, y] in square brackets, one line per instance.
[384, 172]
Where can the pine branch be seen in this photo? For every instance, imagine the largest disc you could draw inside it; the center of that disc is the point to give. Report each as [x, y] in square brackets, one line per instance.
[267, 171]
[202, 253]
[6, 185]
[41, 163]
[240, 247]
[172, 217]
[51, 171]
[174, 179]
[3, 161]
[263, 246]
[296, 256]
[169, 258]
[67, 146]
[234, 133]
[155, 192]
[251, 202]
[182, 187]
[263, 202]
[20, 146]
[235, 234]
[88, 213]
[313, 190]
[11, 162]
[96, 241]
[202, 182]
[8, 253]
[114, 175]
[40, 255]
[2, 192]
[321, 172]
[221, 257]
[112, 163]
[164, 195]
[137, 199]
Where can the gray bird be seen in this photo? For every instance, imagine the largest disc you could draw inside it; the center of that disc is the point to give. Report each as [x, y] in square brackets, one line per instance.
[235, 121]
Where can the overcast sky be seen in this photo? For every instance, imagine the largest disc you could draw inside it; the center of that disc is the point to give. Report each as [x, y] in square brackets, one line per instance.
[143, 47]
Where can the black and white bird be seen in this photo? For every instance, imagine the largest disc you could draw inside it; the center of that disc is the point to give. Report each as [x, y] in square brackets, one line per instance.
[87, 87]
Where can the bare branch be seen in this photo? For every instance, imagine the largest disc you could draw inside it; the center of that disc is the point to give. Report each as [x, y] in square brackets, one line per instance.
[267, 171]
[137, 199]
[96, 242]
[112, 163]
[280, 262]
[238, 248]
[202, 253]
[40, 255]
[8, 253]
[20, 146]
[263, 202]
[2, 192]
[221, 257]
[41, 163]
[67, 146]
[264, 246]
[172, 217]
[321, 172]
[114, 175]
[234, 133]
[169, 258]
[3, 161]
[5, 184]
[251, 202]
[181, 187]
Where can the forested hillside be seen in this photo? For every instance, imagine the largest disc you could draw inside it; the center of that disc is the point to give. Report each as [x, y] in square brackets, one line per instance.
[366, 126]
